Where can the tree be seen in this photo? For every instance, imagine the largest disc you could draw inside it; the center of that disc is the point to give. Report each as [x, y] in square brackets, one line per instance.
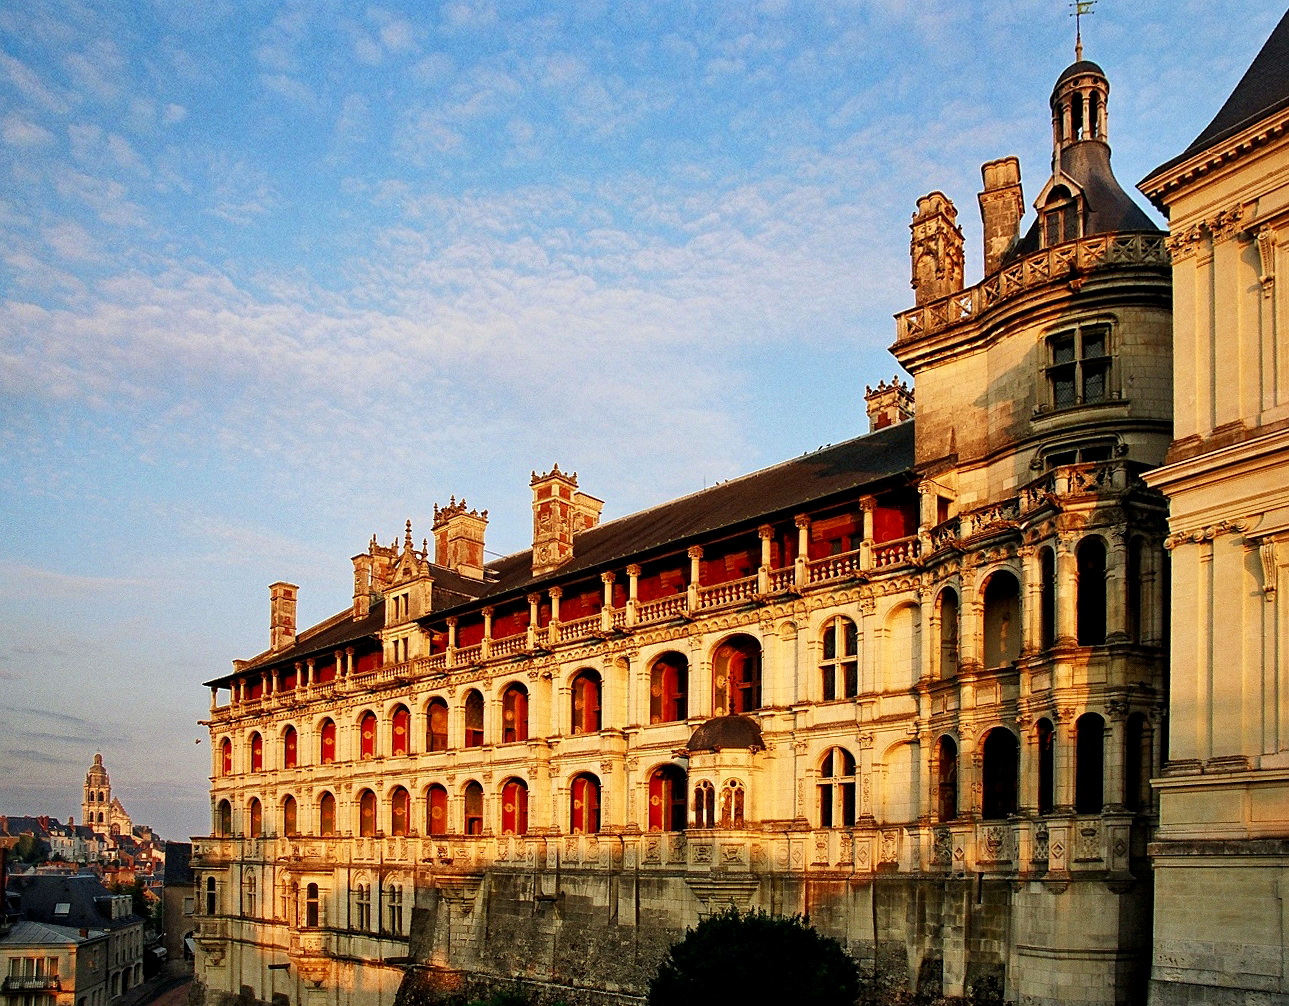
[30, 849]
[738, 959]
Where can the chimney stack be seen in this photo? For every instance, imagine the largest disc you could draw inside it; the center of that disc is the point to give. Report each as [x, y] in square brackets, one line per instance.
[936, 249]
[458, 538]
[1002, 204]
[282, 614]
[559, 511]
[888, 404]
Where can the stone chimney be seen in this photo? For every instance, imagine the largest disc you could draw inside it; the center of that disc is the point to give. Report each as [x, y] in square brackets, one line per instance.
[1002, 204]
[936, 248]
[282, 614]
[586, 511]
[888, 404]
[458, 538]
[555, 515]
[371, 574]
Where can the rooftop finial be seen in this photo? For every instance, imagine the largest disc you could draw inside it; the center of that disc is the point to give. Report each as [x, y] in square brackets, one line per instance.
[1081, 7]
[407, 537]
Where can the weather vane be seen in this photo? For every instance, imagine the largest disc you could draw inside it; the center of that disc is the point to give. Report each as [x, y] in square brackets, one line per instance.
[1081, 7]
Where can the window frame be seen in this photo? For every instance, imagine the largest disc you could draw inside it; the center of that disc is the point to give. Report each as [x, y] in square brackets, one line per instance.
[1079, 364]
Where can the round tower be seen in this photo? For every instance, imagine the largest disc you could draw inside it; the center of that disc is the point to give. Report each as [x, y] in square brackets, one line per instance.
[98, 796]
[1079, 107]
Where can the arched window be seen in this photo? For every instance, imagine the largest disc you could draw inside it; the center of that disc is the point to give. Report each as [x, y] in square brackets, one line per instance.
[248, 893]
[1045, 736]
[257, 752]
[1061, 211]
[585, 803]
[312, 907]
[948, 605]
[514, 714]
[327, 742]
[736, 676]
[840, 664]
[732, 804]
[400, 807]
[255, 818]
[225, 759]
[394, 908]
[473, 808]
[586, 702]
[436, 810]
[362, 907]
[367, 736]
[1091, 558]
[436, 725]
[1089, 764]
[704, 805]
[290, 745]
[1001, 764]
[1047, 598]
[401, 722]
[514, 807]
[223, 819]
[837, 789]
[473, 719]
[1002, 619]
[669, 689]
[289, 816]
[212, 899]
[667, 792]
[1136, 769]
[367, 813]
[946, 778]
[327, 814]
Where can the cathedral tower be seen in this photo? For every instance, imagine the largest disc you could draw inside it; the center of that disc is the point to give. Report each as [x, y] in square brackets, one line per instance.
[97, 798]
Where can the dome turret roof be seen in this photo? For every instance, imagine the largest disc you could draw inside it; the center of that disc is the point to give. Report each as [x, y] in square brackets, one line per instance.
[721, 732]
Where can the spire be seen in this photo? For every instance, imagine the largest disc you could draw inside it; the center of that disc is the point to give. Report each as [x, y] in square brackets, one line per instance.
[1081, 7]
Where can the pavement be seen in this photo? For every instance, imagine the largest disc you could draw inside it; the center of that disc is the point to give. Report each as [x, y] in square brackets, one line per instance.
[165, 989]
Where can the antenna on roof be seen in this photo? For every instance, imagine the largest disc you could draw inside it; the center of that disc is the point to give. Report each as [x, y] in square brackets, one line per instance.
[1081, 7]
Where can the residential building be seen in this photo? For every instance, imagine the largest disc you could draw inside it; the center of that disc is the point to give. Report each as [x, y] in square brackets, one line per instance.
[47, 965]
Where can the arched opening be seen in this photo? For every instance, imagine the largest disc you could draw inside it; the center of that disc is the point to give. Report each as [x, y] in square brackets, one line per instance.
[473, 719]
[514, 714]
[1136, 570]
[362, 905]
[736, 676]
[837, 789]
[394, 908]
[225, 760]
[290, 815]
[1089, 764]
[999, 774]
[473, 808]
[312, 907]
[514, 807]
[367, 736]
[669, 688]
[667, 792]
[839, 667]
[946, 771]
[249, 893]
[255, 818]
[327, 814]
[704, 805]
[1091, 606]
[947, 604]
[436, 725]
[366, 813]
[585, 803]
[327, 742]
[1047, 598]
[400, 722]
[223, 819]
[1045, 737]
[436, 810]
[1060, 217]
[290, 748]
[212, 900]
[586, 702]
[257, 752]
[400, 807]
[1136, 769]
[1002, 619]
[733, 801]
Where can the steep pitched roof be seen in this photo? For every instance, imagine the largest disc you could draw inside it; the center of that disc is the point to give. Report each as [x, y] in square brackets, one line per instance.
[66, 901]
[40, 934]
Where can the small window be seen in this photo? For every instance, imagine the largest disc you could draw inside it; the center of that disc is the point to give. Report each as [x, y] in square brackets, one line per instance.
[400, 807]
[257, 753]
[514, 714]
[514, 808]
[312, 907]
[436, 726]
[436, 810]
[668, 689]
[1078, 369]
[401, 723]
[586, 702]
[327, 814]
[837, 789]
[289, 748]
[327, 742]
[946, 778]
[367, 813]
[704, 805]
[667, 787]
[473, 809]
[63, 908]
[367, 736]
[473, 719]
[733, 801]
[585, 804]
[362, 906]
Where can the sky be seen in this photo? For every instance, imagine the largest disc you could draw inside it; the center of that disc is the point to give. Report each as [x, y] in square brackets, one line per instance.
[278, 276]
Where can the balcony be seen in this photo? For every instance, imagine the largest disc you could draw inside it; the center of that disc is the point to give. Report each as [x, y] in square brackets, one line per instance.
[31, 983]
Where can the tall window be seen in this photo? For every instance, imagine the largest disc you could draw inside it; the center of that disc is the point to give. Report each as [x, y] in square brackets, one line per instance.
[946, 778]
[401, 722]
[1000, 766]
[1045, 735]
[736, 676]
[255, 818]
[225, 758]
[257, 752]
[367, 736]
[362, 906]
[394, 908]
[327, 814]
[212, 900]
[733, 799]
[1002, 619]
[586, 702]
[473, 809]
[312, 907]
[948, 607]
[1091, 606]
[1089, 764]
[400, 808]
[289, 816]
[436, 810]
[840, 665]
[837, 789]
[224, 819]
[249, 893]
[585, 803]
[514, 714]
[514, 807]
[290, 746]
[704, 805]
[473, 719]
[1047, 597]
[667, 793]
[367, 813]
[1078, 371]
[436, 726]
[327, 742]
[1060, 217]
[669, 689]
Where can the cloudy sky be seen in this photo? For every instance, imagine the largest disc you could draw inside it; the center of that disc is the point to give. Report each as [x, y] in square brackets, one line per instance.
[277, 276]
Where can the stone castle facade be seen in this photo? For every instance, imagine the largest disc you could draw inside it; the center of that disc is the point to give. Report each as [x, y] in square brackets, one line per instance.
[914, 685]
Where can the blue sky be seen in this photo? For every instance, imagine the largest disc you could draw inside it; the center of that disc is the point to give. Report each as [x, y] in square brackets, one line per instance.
[274, 277]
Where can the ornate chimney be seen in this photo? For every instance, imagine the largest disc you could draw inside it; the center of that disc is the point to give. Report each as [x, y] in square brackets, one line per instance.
[1002, 204]
[458, 538]
[282, 614]
[559, 511]
[888, 404]
[936, 248]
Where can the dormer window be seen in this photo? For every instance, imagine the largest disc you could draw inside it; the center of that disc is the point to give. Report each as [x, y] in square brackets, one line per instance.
[1061, 217]
[1078, 370]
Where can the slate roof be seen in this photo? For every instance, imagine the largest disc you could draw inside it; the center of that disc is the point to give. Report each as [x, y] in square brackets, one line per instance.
[1261, 92]
[41, 894]
[721, 732]
[178, 863]
[40, 934]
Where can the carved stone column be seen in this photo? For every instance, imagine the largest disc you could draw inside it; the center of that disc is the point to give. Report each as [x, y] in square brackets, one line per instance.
[766, 533]
[695, 554]
[800, 567]
[1032, 605]
[1063, 750]
[633, 584]
[485, 647]
[534, 600]
[867, 506]
[552, 630]
[1067, 589]
[1116, 587]
[452, 640]
[606, 605]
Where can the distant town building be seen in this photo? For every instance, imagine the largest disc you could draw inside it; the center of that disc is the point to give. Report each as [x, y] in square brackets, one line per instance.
[100, 809]
[48, 965]
[178, 906]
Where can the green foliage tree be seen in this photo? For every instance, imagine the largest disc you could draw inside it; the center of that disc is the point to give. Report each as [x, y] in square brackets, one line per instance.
[31, 849]
[750, 959]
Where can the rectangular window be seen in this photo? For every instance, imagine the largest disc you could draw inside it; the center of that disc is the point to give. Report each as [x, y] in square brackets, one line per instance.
[1078, 367]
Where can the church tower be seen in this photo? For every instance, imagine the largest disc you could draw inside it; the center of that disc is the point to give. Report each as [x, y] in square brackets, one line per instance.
[97, 801]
